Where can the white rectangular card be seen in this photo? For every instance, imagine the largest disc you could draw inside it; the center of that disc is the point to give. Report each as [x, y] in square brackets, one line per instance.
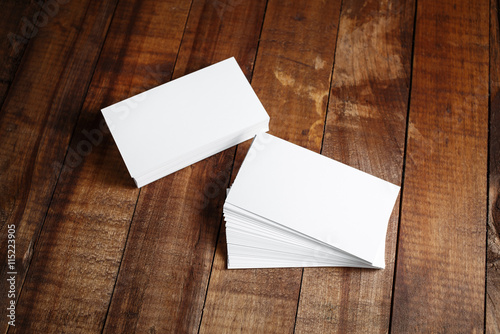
[186, 120]
[294, 207]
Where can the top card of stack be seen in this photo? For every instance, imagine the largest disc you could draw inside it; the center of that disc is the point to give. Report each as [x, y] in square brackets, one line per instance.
[186, 120]
[291, 207]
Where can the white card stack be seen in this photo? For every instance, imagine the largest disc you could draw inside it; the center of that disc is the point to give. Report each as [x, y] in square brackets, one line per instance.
[291, 207]
[186, 120]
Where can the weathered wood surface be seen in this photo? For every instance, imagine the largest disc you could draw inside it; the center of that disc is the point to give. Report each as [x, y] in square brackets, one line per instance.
[168, 259]
[36, 122]
[365, 128]
[493, 251]
[440, 269]
[292, 78]
[17, 29]
[395, 88]
[77, 256]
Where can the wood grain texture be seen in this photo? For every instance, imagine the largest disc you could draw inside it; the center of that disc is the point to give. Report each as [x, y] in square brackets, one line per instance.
[95, 254]
[165, 270]
[365, 129]
[16, 32]
[37, 120]
[73, 271]
[493, 251]
[291, 77]
[440, 280]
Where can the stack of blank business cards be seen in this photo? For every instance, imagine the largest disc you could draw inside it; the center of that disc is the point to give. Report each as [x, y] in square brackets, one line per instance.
[291, 207]
[288, 206]
[186, 120]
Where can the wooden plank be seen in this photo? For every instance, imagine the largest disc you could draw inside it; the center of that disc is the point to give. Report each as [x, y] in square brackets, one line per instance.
[493, 252]
[36, 123]
[292, 78]
[365, 129]
[75, 263]
[164, 273]
[16, 25]
[440, 271]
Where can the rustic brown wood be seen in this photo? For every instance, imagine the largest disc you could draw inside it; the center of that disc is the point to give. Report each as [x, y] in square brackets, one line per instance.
[15, 20]
[95, 254]
[164, 273]
[291, 77]
[73, 271]
[493, 251]
[440, 271]
[36, 122]
[365, 129]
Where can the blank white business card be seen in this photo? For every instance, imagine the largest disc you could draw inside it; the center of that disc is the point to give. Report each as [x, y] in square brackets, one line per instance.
[291, 207]
[186, 120]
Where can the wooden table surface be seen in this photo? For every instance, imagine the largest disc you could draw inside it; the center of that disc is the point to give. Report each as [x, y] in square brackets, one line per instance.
[408, 91]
